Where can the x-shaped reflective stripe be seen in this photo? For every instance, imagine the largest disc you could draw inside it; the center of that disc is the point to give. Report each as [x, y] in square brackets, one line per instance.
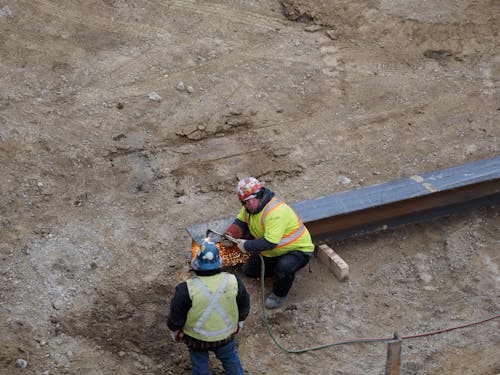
[213, 305]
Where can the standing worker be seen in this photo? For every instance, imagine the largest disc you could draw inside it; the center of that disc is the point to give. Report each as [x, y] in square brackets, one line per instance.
[278, 235]
[207, 311]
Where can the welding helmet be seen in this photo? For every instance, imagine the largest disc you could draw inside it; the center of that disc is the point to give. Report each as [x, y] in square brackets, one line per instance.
[248, 187]
[207, 258]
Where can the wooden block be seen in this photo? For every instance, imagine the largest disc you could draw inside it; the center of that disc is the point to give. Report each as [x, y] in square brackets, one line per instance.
[333, 261]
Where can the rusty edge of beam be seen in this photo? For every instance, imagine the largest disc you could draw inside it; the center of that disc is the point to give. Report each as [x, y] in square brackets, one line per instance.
[390, 204]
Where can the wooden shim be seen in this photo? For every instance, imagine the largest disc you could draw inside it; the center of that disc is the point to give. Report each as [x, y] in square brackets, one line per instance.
[333, 261]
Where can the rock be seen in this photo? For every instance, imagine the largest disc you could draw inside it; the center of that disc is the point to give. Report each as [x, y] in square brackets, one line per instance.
[346, 180]
[179, 86]
[5, 11]
[21, 363]
[312, 28]
[331, 34]
[57, 304]
[154, 96]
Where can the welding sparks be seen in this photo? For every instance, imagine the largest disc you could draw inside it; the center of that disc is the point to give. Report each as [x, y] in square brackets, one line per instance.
[230, 256]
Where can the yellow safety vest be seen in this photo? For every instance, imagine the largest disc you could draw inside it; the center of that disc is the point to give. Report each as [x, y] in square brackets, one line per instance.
[279, 224]
[214, 313]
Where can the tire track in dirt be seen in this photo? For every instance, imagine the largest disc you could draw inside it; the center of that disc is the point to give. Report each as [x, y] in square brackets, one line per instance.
[131, 89]
[136, 29]
[134, 89]
[127, 89]
[238, 17]
[221, 11]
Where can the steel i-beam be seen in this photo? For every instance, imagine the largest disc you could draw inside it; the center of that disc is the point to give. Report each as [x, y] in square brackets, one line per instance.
[391, 204]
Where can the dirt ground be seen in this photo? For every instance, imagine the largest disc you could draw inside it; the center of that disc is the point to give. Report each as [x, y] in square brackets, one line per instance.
[123, 122]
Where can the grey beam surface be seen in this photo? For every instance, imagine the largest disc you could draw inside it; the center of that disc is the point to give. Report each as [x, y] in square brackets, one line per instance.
[394, 203]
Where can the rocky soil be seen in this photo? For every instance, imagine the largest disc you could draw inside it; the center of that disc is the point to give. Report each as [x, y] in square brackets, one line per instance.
[123, 122]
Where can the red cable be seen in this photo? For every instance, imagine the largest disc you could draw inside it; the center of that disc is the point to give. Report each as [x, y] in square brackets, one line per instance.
[450, 329]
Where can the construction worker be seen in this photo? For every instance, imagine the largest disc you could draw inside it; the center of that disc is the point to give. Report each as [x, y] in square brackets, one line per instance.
[207, 311]
[273, 230]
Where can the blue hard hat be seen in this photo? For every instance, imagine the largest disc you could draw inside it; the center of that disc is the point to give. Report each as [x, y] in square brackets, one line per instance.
[207, 258]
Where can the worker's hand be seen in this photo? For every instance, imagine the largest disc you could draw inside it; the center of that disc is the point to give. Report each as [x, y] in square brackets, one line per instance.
[241, 246]
[239, 327]
[226, 243]
[176, 335]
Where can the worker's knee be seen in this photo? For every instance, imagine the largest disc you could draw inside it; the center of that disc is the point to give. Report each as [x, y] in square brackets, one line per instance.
[291, 262]
[251, 271]
[284, 275]
[252, 266]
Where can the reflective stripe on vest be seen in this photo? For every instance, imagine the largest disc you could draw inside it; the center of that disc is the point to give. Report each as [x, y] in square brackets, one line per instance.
[213, 305]
[288, 238]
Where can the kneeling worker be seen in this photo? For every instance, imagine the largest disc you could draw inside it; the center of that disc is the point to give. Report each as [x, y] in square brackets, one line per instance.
[277, 233]
[207, 311]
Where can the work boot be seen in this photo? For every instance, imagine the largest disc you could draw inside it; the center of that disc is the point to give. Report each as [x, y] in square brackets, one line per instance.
[274, 301]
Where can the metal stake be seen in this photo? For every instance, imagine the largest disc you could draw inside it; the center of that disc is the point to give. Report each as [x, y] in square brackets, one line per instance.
[393, 355]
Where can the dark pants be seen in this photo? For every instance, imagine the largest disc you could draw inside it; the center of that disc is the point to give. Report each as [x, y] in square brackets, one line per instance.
[227, 354]
[283, 268]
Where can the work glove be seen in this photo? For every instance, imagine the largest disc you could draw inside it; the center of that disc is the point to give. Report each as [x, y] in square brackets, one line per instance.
[176, 335]
[226, 243]
[241, 246]
[239, 327]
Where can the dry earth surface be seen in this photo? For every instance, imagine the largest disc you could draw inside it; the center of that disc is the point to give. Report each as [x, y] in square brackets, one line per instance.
[123, 122]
